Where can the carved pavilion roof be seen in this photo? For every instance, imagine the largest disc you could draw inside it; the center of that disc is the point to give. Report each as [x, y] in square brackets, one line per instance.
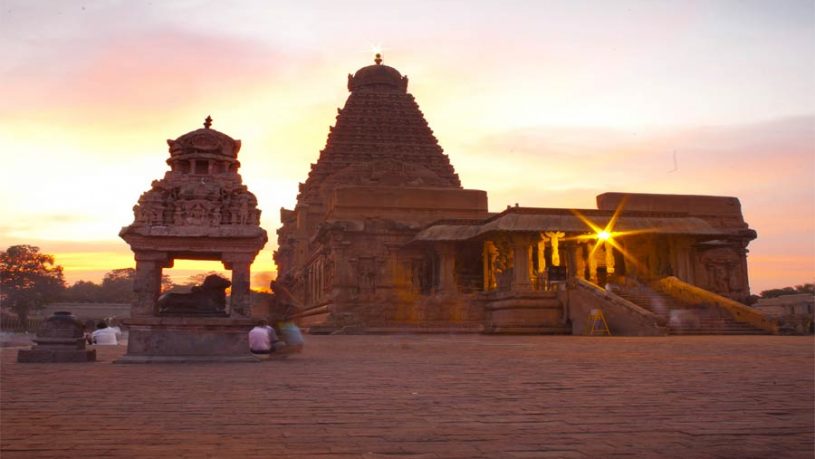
[380, 138]
[203, 194]
[534, 220]
[204, 143]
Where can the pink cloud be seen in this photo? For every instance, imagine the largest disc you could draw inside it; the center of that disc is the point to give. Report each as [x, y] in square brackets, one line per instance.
[147, 72]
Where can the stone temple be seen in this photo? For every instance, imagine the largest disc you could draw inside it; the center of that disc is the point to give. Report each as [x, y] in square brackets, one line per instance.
[384, 238]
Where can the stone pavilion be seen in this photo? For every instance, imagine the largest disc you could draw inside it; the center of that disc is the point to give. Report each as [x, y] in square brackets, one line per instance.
[200, 210]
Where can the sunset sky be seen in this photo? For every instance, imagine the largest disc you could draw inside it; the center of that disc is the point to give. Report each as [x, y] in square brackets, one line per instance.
[541, 103]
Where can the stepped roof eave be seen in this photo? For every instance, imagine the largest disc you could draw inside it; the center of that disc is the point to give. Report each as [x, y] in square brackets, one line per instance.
[567, 221]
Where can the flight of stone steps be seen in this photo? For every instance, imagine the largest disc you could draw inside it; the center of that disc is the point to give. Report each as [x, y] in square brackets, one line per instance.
[685, 319]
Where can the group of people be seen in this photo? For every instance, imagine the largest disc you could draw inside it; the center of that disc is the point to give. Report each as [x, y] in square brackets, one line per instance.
[263, 339]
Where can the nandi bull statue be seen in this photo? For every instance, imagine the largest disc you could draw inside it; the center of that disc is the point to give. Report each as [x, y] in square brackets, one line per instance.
[208, 299]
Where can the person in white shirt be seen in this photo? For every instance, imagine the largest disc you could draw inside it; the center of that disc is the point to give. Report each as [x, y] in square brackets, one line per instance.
[263, 339]
[104, 335]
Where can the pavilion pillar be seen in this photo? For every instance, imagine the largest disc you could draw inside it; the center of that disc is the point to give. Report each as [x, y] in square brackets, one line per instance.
[392, 277]
[652, 267]
[609, 257]
[239, 300]
[555, 237]
[683, 262]
[744, 284]
[447, 268]
[542, 254]
[488, 257]
[521, 261]
[147, 284]
[592, 249]
[580, 261]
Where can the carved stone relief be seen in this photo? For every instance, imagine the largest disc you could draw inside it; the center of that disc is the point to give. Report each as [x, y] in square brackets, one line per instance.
[722, 266]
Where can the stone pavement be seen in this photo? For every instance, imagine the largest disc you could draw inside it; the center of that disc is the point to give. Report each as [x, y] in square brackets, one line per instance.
[466, 396]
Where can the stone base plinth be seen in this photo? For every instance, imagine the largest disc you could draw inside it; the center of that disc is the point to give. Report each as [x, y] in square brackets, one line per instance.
[39, 354]
[188, 340]
[441, 313]
[530, 312]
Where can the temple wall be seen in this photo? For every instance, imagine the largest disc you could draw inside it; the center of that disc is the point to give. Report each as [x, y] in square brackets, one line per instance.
[720, 211]
[362, 275]
[722, 269]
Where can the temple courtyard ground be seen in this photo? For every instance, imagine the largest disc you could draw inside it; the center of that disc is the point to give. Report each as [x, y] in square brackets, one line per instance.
[428, 396]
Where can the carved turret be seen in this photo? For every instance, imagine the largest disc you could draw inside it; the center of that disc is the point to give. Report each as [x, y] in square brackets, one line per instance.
[203, 191]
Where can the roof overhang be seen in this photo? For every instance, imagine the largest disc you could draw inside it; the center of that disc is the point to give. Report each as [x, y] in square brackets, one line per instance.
[570, 222]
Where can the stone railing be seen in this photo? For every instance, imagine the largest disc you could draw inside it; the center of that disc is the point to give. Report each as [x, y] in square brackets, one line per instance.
[624, 317]
[694, 295]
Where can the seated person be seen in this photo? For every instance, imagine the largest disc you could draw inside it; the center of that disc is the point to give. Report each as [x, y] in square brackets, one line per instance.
[290, 332]
[263, 339]
[104, 335]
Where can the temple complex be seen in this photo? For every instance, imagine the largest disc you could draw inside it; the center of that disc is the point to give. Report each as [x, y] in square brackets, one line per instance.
[200, 210]
[384, 238]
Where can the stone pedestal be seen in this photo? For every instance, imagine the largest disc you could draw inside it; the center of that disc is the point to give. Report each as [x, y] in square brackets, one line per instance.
[528, 312]
[188, 339]
[61, 338]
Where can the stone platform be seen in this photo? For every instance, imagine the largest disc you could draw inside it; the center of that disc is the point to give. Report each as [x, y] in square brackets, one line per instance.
[188, 339]
[426, 397]
[43, 355]
[527, 312]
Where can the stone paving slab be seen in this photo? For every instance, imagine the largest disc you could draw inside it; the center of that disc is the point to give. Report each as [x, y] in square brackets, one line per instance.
[427, 396]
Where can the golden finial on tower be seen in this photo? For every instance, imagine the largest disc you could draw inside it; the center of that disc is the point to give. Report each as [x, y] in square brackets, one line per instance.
[208, 122]
[378, 58]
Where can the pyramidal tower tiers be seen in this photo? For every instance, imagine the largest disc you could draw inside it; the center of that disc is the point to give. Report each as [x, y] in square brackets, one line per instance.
[379, 126]
[381, 177]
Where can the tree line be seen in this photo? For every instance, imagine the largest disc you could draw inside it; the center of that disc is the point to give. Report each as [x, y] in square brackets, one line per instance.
[776, 292]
